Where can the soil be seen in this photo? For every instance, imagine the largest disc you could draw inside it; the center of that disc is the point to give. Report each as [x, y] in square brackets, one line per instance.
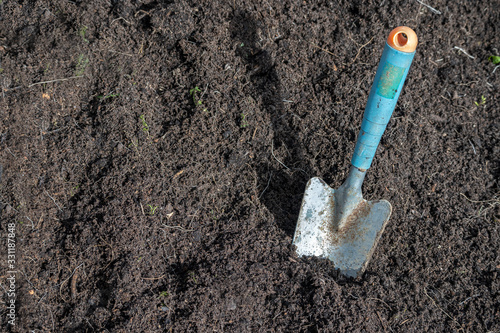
[154, 155]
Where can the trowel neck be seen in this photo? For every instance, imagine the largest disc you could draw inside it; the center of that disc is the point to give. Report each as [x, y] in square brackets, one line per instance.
[354, 179]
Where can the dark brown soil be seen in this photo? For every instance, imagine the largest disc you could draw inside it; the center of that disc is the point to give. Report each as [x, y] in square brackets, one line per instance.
[154, 155]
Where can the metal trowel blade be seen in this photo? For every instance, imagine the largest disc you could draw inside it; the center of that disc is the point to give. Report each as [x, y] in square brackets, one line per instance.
[350, 242]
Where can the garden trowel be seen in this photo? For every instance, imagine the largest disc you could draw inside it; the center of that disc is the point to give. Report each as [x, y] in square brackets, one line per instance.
[339, 224]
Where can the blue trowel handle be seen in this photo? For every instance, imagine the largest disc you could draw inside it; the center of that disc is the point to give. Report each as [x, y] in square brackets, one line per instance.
[391, 74]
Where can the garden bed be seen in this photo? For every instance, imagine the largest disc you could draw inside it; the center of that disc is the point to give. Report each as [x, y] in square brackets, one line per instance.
[154, 155]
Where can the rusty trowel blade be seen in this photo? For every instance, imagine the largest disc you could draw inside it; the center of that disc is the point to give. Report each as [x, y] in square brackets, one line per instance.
[349, 246]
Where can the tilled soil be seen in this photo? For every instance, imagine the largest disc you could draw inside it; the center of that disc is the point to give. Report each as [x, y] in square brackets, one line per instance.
[154, 154]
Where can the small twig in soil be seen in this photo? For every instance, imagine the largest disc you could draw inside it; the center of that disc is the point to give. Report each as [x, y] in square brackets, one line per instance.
[407, 320]
[10, 152]
[474, 149]
[204, 91]
[353, 296]
[276, 316]
[476, 201]
[325, 50]
[56, 80]
[27, 279]
[381, 321]
[8, 204]
[41, 298]
[468, 299]
[322, 49]
[88, 322]
[193, 216]
[120, 18]
[51, 317]
[483, 210]
[268, 182]
[178, 174]
[446, 313]
[58, 207]
[359, 50]
[44, 82]
[154, 278]
[69, 277]
[435, 11]
[3, 87]
[177, 227]
[272, 153]
[32, 224]
[464, 52]
[378, 299]
[121, 53]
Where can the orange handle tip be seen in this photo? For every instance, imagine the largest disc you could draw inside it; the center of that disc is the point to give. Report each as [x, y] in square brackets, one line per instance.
[403, 39]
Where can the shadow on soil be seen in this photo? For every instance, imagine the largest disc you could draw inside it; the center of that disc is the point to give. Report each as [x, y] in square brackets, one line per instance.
[281, 188]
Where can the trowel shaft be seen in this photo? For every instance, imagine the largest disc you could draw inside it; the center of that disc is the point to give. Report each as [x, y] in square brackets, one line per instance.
[387, 85]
